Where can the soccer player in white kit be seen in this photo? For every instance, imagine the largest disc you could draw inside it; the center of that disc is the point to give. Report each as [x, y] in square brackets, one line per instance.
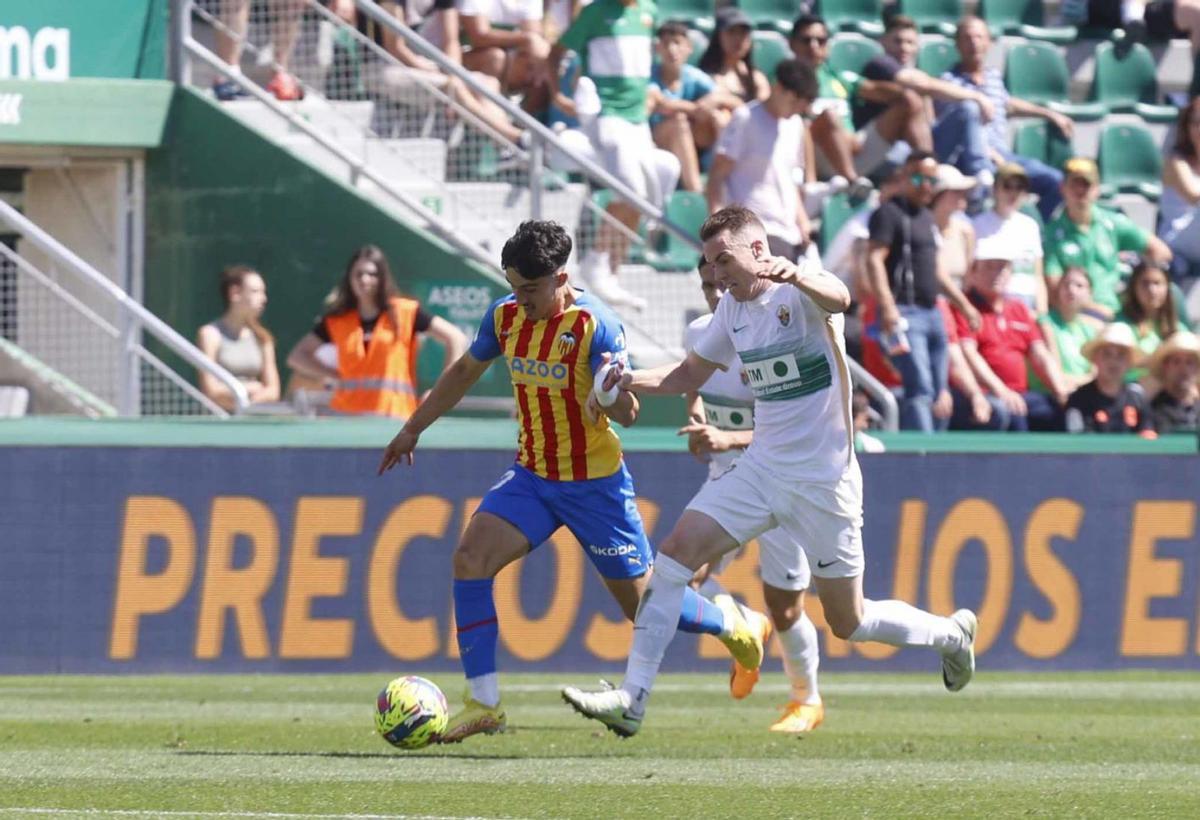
[782, 323]
[720, 429]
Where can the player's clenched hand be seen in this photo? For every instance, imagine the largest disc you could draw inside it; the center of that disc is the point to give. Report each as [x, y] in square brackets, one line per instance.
[778, 269]
[592, 409]
[399, 448]
[703, 439]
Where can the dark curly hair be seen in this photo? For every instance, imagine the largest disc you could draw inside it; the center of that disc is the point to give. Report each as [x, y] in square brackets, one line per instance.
[539, 248]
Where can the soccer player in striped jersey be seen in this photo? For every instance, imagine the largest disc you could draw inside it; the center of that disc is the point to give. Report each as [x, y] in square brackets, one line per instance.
[557, 341]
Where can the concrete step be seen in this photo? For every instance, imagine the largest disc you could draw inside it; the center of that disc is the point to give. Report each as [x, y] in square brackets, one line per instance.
[407, 160]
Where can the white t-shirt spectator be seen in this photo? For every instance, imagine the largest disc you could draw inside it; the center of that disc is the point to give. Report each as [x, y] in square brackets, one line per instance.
[765, 153]
[502, 12]
[1021, 233]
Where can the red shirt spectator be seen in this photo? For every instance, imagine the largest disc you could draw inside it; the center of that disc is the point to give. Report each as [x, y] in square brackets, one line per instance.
[1005, 340]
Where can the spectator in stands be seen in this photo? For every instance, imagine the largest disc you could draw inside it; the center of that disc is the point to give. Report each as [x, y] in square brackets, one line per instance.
[1007, 344]
[1018, 231]
[238, 342]
[1088, 236]
[614, 41]
[897, 66]
[1157, 20]
[231, 39]
[864, 442]
[1176, 366]
[956, 248]
[1179, 208]
[689, 109]
[1108, 403]
[507, 43]
[974, 137]
[1066, 329]
[759, 156]
[1148, 308]
[729, 58]
[841, 148]
[438, 23]
[906, 280]
[376, 333]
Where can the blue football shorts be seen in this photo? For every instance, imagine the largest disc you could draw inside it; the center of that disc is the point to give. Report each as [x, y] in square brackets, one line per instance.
[600, 512]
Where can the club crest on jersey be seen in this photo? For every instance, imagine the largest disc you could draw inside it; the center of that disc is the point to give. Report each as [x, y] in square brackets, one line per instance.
[744, 376]
[566, 341]
[784, 315]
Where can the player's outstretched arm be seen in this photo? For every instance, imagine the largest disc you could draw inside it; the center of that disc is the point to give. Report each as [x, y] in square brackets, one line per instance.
[451, 386]
[828, 292]
[670, 379]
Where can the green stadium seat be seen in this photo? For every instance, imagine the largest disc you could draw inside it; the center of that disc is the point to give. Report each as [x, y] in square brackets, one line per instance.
[1037, 140]
[850, 52]
[863, 16]
[1025, 18]
[836, 212]
[698, 14]
[771, 15]
[936, 57]
[1037, 72]
[688, 210]
[1126, 82]
[936, 16]
[769, 50]
[1130, 161]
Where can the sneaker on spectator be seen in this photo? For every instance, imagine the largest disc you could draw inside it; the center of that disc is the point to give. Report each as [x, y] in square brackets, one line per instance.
[227, 90]
[860, 189]
[285, 87]
[601, 282]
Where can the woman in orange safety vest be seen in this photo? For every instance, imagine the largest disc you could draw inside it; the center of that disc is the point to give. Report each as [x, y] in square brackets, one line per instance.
[374, 333]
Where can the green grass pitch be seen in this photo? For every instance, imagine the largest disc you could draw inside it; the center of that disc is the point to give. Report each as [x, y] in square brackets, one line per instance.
[1011, 745]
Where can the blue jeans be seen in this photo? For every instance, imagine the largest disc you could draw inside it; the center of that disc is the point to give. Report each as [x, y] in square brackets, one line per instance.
[924, 369]
[1043, 414]
[960, 139]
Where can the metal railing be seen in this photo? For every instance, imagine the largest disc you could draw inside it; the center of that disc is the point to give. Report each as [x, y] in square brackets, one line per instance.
[378, 118]
[79, 323]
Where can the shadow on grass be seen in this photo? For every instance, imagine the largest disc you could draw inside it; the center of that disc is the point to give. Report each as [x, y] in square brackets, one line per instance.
[446, 754]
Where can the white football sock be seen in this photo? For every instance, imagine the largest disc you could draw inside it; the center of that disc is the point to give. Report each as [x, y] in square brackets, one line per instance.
[711, 588]
[900, 624]
[485, 689]
[801, 657]
[654, 626]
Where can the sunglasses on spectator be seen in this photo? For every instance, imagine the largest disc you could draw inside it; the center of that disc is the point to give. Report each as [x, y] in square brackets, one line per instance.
[922, 179]
[811, 38]
[1014, 185]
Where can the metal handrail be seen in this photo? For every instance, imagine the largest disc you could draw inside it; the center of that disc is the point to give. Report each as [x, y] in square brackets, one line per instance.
[131, 309]
[540, 132]
[358, 166]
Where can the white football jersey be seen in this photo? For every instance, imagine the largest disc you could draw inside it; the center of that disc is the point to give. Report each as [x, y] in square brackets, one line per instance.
[728, 401]
[794, 357]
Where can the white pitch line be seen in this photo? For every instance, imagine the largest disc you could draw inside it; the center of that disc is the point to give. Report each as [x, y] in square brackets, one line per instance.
[273, 815]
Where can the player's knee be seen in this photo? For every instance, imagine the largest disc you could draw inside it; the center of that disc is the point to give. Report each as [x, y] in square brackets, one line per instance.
[784, 607]
[842, 625]
[471, 562]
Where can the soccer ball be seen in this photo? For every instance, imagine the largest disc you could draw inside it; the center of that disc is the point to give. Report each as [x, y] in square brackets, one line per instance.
[411, 712]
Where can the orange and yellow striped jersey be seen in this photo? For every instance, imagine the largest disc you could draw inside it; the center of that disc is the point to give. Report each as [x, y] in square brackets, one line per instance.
[552, 363]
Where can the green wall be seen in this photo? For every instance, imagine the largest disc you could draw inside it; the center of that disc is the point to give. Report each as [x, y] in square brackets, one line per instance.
[107, 38]
[219, 194]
